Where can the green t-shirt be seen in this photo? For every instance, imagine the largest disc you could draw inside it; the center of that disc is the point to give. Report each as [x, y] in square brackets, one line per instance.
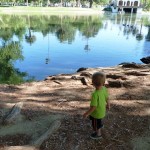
[98, 99]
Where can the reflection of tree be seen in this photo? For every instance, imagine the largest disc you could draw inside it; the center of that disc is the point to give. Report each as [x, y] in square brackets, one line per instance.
[148, 34]
[139, 36]
[30, 38]
[87, 48]
[6, 34]
[8, 54]
[63, 26]
[65, 31]
[47, 58]
[90, 27]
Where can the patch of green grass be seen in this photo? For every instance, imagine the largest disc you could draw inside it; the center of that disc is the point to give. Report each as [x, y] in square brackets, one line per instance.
[48, 10]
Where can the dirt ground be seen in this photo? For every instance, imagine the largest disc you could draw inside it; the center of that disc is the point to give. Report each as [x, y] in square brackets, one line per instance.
[126, 125]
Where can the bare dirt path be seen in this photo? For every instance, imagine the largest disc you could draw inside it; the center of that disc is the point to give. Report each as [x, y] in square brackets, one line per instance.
[66, 97]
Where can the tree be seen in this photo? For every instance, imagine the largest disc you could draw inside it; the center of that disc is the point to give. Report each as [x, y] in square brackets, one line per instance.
[8, 54]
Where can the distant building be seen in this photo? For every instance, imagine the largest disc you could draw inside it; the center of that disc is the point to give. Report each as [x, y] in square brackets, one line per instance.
[131, 6]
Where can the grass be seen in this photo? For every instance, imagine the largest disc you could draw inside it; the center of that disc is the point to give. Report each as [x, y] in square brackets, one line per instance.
[48, 10]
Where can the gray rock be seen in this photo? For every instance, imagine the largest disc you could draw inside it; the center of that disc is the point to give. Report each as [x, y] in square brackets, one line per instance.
[81, 69]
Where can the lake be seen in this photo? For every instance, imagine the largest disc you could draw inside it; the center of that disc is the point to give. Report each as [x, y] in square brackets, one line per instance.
[34, 47]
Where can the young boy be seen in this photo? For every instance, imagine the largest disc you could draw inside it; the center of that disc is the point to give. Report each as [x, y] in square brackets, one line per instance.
[98, 105]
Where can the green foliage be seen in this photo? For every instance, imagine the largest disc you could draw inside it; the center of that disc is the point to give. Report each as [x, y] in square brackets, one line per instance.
[146, 4]
[101, 1]
[8, 54]
[147, 7]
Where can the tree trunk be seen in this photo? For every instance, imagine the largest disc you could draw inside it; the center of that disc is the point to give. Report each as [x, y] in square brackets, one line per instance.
[54, 126]
[13, 113]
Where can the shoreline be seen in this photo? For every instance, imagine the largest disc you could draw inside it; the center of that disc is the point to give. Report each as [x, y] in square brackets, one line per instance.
[125, 65]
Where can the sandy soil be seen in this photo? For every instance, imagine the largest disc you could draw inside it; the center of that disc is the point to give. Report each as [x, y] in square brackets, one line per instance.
[126, 125]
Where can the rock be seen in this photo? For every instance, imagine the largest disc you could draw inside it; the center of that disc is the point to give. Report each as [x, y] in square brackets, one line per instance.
[145, 60]
[135, 73]
[130, 65]
[124, 63]
[86, 74]
[81, 69]
[114, 76]
[116, 84]
[84, 81]
[58, 77]
[128, 84]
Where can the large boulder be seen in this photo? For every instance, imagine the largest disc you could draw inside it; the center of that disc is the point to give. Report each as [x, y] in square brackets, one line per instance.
[145, 60]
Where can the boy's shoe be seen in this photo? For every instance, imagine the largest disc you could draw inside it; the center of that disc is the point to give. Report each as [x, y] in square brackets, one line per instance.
[94, 136]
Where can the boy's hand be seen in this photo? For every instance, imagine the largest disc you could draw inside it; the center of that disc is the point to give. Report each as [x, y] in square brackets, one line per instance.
[85, 115]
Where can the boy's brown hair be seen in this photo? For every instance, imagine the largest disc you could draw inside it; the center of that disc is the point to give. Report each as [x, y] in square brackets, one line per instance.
[98, 79]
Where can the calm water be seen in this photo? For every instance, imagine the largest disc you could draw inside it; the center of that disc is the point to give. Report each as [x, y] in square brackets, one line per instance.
[34, 47]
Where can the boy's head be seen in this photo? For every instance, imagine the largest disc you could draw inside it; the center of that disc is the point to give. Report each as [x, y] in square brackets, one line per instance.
[98, 79]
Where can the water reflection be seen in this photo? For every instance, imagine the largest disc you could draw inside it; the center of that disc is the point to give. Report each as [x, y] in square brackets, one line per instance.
[87, 47]
[130, 25]
[47, 60]
[148, 34]
[9, 53]
[59, 42]
[29, 37]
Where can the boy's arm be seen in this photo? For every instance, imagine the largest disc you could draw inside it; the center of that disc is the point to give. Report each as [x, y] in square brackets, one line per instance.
[108, 103]
[86, 114]
[107, 100]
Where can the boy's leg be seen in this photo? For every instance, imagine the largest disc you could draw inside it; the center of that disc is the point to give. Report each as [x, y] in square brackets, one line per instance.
[99, 132]
[99, 126]
[93, 123]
